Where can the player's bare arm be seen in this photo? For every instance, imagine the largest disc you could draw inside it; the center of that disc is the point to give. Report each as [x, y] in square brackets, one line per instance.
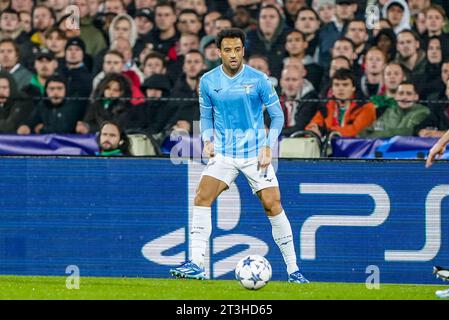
[437, 150]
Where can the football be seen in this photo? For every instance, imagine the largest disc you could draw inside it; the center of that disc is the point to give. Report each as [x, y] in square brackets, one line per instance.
[253, 272]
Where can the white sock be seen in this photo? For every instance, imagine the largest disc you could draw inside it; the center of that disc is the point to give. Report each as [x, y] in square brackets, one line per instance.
[200, 233]
[282, 235]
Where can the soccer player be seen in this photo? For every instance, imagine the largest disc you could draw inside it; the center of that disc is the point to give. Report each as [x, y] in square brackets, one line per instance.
[231, 98]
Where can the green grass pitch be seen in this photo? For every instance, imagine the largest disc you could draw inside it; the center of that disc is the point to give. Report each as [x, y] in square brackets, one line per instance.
[36, 288]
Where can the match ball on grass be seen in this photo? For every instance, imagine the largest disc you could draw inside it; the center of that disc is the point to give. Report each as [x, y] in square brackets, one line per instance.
[253, 272]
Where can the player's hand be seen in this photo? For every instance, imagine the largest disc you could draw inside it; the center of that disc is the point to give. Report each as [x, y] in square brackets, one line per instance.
[436, 152]
[264, 157]
[209, 149]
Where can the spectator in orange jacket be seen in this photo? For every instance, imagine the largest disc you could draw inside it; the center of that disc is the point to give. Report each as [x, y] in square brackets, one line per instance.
[343, 115]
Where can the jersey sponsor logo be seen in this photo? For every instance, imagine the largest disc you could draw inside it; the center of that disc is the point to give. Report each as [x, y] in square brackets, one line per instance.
[218, 90]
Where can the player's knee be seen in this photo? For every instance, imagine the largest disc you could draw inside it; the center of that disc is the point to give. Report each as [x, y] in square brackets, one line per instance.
[272, 206]
[203, 198]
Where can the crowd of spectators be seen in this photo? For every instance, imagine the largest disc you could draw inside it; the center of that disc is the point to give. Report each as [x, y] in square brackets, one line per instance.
[362, 68]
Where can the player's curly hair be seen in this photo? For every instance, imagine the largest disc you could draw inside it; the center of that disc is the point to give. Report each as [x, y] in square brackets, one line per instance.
[230, 33]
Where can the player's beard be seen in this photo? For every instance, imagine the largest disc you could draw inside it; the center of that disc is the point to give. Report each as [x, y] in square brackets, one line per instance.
[236, 66]
[107, 146]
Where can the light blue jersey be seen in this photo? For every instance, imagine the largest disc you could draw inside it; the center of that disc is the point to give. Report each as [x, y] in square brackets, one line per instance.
[232, 111]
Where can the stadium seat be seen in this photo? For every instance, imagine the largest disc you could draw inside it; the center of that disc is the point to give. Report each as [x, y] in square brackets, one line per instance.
[301, 144]
[142, 144]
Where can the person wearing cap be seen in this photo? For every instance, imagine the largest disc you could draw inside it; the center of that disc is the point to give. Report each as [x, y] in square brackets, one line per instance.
[79, 78]
[45, 65]
[144, 21]
[330, 33]
[397, 13]
[325, 9]
[55, 114]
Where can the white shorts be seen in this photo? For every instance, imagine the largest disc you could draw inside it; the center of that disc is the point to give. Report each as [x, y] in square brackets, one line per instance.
[227, 169]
